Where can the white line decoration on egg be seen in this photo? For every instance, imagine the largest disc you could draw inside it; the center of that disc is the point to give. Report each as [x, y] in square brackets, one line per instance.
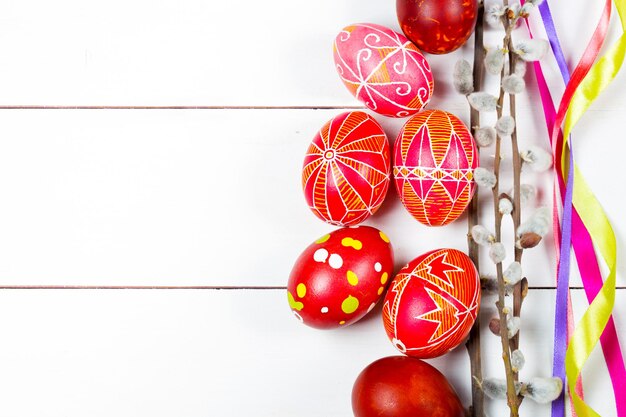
[383, 69]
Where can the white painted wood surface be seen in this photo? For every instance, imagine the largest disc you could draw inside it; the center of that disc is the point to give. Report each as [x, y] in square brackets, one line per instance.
[211, 197]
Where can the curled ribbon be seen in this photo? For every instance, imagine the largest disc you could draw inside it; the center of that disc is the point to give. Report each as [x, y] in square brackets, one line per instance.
[595, 319]
[572, 222]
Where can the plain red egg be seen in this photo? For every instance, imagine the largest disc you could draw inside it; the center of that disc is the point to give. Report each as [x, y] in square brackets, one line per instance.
[437, 26]
[400, 386]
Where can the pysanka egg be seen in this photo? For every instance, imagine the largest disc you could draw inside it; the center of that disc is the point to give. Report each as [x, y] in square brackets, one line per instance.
[340, 277]
[383, 69]
[437, 26]
[432, 303]
[346, 170]
[434, 161]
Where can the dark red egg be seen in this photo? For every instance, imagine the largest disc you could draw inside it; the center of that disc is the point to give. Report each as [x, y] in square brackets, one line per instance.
[340, 277]
[400, 386]
[437, 26]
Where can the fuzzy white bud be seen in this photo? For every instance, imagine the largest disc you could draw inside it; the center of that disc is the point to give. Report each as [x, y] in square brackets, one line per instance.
[536, 2]
[543, 390]
[539, 223]
[505, 206]
[513, 274]
[482, 235]
[520, 68]
[485, 178]
[494, 388]
[517, 360]
[512, 326]
[505, 126]
[485, 136]
[497, 252]
[532, 49]
[527, 8]
[494, 13]
[494, 60]
[538, 158]
[513, 84]
[463, 78]
[483, 101]
[527, 193]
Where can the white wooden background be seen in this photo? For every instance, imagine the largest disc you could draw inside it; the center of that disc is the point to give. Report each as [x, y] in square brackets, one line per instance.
[151, 209]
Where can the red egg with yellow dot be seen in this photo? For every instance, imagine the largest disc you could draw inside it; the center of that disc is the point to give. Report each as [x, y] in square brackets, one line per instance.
[437, 26]
[340, 277]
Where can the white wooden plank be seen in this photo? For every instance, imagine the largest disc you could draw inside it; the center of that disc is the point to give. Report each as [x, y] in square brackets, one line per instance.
[180, 198]
[168, 52]
[198, 353]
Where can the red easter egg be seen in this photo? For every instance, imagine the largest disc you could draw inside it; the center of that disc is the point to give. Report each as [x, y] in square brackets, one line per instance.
[383, 69]
[437, 26]
[340, 277]
[434, 161]
[399, 386]
[432, 303]
[345, 175]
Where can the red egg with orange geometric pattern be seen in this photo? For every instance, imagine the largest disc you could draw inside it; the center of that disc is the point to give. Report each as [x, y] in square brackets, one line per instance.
[432, 303]
[434, 161]
[346, 170]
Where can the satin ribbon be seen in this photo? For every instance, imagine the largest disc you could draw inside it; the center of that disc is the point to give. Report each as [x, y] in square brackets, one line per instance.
[598, 315]
[563, 311]
[595, 319]
[585, 254]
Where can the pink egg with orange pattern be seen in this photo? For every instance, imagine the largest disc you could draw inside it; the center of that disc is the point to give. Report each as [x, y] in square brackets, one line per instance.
[383, 69]
[340, 277]
[434, 161]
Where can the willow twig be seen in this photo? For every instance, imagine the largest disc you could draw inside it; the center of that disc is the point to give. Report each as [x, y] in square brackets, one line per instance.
[477, 408]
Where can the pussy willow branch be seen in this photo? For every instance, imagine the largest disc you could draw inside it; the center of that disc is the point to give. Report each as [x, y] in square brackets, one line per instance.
[511, 377]
[477, 408]
[516, 214]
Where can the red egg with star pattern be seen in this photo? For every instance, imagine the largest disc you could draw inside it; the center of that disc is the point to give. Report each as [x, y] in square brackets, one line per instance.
[340, 277]
[347, 168]
[434, 161]
[432, 303]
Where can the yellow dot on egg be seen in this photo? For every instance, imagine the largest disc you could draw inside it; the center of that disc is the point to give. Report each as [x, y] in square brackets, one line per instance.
[301, 290]
[296, 305]
[352, 243]
[384, 237]
[352, 278]
[384, 278]
[323, 239]
[342, 322]
[349, 305]
[380, 290]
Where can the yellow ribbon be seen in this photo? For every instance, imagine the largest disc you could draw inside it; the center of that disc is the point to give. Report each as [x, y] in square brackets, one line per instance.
[590, 328]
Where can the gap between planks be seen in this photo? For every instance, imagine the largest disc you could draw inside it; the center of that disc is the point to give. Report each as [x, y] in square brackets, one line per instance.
[37, 107]
[183, 287]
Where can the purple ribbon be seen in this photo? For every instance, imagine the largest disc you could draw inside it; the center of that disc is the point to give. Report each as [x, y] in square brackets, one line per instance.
[563, 271]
